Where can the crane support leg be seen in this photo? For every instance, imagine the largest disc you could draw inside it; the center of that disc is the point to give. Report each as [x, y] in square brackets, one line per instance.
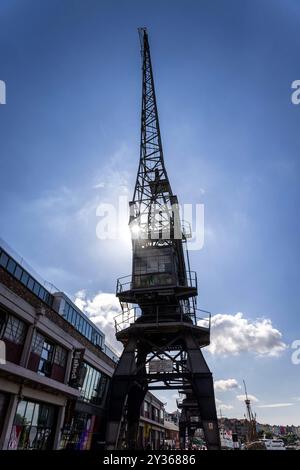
[126, 396]
[203, 388]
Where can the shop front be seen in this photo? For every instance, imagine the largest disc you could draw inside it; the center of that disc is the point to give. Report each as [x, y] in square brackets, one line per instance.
[33, 426]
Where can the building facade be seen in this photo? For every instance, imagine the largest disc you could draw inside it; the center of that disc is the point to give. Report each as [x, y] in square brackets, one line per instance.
[151, 433]
[55, 369]
[55, 374]
[171, 435]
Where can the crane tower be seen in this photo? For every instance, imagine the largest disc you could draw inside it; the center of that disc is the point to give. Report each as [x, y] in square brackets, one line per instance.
[160, 327]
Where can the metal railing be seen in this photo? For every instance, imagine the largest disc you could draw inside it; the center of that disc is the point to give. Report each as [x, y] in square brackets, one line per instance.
[17, 267]
[131, 315]
[142, 281]
[51, 288]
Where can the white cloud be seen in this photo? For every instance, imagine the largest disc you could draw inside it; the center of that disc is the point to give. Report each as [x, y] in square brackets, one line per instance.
[102, 310]
[234, 334]
[243, 397]
[223, 406]
[275, 405]
[224, 385]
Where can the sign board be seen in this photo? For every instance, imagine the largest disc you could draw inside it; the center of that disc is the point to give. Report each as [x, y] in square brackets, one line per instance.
[161, 365]
[76, 374]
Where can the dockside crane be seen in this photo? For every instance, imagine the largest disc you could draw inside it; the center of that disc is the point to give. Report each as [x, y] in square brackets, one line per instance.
[161, 329]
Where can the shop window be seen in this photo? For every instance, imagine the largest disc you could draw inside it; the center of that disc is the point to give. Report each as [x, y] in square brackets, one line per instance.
[94, 385]
[34, 426]
[60, 357]
[47, 358]
[12, 332]
[15, 330]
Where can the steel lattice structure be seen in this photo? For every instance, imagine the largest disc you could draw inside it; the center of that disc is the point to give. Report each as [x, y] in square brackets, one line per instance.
[159, 326]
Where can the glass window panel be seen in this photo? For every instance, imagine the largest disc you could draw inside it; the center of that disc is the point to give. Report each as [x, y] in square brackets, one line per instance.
[19, 417]
[11, 266]
[35, 415]
[77, 320]
[15, 330]
[3, 259]
[45, 364]
[29, 412]
[43, 415]
[89, 383]
[96, 383]
[42, 293]
[74, 314]
[30, 283]
[50, 417]
[67, 308]
[36, 288]
[37, 433]
[37, 343]
[18, 272]
[32, 437]
[60, 356]
[69, 315]
[24, 278]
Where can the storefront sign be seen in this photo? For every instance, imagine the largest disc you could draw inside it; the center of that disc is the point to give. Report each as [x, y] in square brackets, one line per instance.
[163, 365]
[76, 375]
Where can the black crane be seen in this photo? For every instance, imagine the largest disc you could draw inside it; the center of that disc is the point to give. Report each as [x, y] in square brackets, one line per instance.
[159, 326]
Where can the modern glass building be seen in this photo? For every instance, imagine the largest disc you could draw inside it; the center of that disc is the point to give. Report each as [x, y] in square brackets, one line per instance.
[56, 370]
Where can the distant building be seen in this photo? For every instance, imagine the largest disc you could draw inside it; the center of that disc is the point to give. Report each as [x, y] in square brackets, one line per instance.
[171, 435]
[151, 428]
[173, 417]
[236, 426]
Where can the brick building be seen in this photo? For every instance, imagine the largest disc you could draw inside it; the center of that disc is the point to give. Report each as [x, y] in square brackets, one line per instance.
[151, 427]
[54, 381]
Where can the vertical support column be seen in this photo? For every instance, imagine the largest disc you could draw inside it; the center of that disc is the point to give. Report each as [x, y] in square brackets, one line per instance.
[27, 346]
[59, 426]
[8, 422]
[135, 399]
[136, 395]
[182, 425]
[68, 366]
[117, 397]
[203, 387]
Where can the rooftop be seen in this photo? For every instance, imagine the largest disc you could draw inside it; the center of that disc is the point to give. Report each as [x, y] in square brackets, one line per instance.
[45, 291]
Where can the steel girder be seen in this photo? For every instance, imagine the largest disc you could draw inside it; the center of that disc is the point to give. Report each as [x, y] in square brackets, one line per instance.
[130, 384]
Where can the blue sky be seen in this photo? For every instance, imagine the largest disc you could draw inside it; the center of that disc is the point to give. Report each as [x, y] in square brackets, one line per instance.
[69, 137]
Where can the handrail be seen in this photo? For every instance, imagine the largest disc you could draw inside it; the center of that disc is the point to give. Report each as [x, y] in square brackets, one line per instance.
[191, 279]
[126, 318]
